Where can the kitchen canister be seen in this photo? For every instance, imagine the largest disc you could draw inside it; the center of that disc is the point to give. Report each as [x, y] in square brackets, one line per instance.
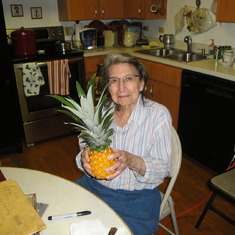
[23, 42]
[128, 39]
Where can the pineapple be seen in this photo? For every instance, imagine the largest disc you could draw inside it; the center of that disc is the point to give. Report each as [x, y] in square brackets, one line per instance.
[94, 125]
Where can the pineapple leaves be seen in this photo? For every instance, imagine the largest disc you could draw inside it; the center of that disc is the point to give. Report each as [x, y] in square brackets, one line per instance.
[80, 91]
[107, 121]
[69, 114]
[87, 104]
[93, 121]
[74, 111]
[62, 100]
[91, 82]
[102, 96]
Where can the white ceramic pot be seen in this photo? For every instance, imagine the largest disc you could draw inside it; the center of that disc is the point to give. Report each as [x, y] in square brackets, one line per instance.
[228, 56]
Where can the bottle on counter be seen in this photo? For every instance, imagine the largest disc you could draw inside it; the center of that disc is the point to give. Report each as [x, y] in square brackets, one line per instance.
[212, 47]
[216, 53]
[219, 51]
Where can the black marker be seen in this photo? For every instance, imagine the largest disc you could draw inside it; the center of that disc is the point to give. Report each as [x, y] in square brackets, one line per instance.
[81, 213]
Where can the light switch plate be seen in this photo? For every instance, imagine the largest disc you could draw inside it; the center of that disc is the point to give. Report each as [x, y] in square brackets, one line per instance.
[68, 31]
[161, 30]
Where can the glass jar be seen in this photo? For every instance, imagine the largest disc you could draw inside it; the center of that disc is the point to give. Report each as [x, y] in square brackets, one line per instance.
[228, 56]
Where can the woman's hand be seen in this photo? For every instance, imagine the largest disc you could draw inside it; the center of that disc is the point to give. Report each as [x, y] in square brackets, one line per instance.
[85, 161]
[123, 161]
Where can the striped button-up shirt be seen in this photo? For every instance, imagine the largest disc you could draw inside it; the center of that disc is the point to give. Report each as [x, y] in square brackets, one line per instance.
[147, 134]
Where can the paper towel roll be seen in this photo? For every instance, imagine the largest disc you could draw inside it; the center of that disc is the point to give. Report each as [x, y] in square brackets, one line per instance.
[77, 28]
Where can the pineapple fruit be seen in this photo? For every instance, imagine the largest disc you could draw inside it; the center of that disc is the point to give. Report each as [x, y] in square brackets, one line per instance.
[94, 124]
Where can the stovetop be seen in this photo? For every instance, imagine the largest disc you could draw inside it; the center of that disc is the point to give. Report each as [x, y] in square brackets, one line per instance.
[48, 57]
[46, 39]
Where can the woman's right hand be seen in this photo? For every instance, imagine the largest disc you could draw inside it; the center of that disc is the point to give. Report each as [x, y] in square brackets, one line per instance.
[85, 161]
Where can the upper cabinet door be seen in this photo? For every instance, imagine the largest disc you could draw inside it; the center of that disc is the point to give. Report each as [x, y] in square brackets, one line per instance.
[134, 9]
[73, 10]
[225, 11]
[161, 9]
[110, 9]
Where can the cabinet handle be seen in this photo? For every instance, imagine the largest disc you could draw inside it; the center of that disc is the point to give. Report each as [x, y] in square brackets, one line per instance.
[95, 10]
[151, 90]
[102, 11]
[139, 11]
[146, 89]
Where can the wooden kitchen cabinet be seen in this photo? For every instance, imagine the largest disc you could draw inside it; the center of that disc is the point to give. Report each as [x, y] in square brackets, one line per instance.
[161, 14]
[134, 9]
[140, 9]
[164, 86]
[225, 11]
[75, 10]
[110, 9]
[91, 65]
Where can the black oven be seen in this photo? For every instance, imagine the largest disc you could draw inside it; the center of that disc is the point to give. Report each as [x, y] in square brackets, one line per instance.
[41, 120]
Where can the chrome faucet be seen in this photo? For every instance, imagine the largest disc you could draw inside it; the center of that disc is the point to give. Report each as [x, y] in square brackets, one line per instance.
[188, 40]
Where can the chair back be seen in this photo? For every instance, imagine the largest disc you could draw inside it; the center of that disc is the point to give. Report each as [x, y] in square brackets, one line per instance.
[176, 163]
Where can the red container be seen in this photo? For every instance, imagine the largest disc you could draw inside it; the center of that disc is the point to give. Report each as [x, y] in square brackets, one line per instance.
[23, 42]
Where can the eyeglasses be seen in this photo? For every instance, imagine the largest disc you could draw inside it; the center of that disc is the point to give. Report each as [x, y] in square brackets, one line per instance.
[129, 78]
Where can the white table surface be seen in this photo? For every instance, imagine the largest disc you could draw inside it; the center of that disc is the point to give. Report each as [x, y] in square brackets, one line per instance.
[63, 197]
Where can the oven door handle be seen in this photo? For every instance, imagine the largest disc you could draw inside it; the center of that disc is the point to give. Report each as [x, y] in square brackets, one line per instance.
[72, 60]
[40, 64]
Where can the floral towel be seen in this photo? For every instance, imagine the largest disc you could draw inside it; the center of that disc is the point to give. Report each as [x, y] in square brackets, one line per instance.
[32, 79]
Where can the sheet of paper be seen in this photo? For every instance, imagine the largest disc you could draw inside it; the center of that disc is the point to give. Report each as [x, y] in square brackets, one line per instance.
[17, 214]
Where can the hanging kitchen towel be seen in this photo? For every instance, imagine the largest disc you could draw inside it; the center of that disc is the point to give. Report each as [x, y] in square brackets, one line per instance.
[32, 79]
[58, 76]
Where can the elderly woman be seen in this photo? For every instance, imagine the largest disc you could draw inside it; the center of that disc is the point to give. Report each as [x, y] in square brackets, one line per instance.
[142, 143]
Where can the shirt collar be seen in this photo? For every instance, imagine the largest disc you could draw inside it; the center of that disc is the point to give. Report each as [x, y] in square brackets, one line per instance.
[138, 109]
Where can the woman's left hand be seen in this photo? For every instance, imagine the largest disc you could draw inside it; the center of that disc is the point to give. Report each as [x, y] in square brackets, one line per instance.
[123, 161]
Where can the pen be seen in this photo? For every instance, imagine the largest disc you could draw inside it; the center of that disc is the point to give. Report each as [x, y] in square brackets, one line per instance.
[81, 213]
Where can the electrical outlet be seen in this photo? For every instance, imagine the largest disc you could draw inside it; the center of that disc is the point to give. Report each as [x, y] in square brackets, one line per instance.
[68, 31]
[161, 30]
[146, 28]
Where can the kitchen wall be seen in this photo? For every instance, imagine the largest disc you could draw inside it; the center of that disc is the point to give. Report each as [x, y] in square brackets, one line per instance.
[49, 13]
[223, 33]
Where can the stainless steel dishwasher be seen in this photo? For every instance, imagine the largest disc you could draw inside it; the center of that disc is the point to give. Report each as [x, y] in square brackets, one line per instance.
[207, 119]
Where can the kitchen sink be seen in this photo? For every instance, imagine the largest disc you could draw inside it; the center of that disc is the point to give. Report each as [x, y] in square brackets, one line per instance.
[183, 56]
[173, 54]
[157, 52]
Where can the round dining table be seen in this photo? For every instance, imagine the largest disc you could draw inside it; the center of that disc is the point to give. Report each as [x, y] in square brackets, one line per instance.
[63, 197]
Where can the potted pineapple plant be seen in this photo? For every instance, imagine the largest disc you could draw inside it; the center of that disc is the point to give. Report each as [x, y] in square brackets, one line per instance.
[93, 122]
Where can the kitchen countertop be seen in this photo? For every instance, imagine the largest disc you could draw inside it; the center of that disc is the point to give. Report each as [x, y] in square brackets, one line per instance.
[208, 66]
